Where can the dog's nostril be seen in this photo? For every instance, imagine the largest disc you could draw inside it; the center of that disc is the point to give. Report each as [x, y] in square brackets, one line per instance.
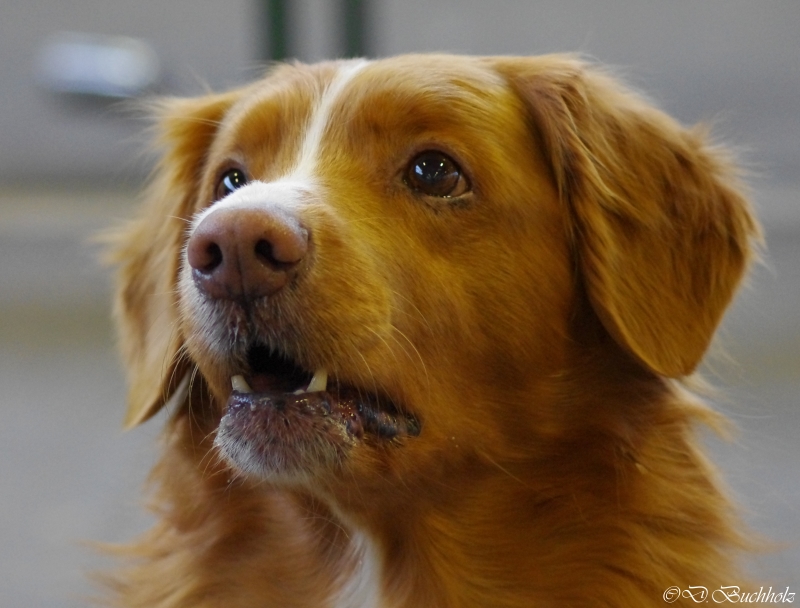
[204, 253]
[263, 251]
[213, 258]
[276, 257]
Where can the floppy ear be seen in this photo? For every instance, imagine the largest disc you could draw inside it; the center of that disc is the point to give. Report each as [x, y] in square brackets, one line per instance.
[662, 231]
[147, 254]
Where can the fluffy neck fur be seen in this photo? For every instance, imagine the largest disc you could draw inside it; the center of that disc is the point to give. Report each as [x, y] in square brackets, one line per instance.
[573, 521]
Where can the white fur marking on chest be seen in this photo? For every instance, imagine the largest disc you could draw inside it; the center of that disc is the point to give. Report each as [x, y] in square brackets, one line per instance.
[363, 588]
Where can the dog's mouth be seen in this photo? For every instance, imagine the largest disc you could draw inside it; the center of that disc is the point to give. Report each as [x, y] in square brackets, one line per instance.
[282, 417]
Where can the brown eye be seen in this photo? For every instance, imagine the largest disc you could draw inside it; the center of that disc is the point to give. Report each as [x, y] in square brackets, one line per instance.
[231, 180]
[435, 174]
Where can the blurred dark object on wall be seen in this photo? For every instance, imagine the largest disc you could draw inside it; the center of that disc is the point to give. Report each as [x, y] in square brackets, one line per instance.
[95, 65]
[731, 63]
[73, 73]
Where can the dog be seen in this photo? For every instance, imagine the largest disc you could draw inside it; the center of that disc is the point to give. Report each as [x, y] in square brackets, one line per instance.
[421, 325]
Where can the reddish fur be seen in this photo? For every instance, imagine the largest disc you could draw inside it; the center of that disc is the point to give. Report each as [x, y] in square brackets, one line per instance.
[536, 332]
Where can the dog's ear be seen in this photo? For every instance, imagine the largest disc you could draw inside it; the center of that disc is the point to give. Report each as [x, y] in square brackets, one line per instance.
[662, 231]
[147, 253]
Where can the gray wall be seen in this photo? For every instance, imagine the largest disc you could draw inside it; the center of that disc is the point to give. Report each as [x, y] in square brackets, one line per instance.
[68, 168]
[45, 137]
[736, 62]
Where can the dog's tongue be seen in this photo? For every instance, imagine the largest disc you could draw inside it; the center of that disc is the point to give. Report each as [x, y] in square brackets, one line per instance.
[259, 383]
[272, 383]
[265, 383]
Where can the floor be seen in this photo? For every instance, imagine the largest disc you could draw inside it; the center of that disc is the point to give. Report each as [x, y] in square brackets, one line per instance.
[70, 475]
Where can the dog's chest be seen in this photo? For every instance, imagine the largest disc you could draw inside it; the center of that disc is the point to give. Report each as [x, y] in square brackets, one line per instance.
[361, 588]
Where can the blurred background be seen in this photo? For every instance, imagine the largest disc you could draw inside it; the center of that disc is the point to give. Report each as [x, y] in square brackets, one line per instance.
[72, 158]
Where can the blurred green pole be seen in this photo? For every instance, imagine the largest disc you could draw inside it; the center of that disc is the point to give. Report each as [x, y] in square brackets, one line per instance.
[275, 14]
[355, 27]
[275, 17]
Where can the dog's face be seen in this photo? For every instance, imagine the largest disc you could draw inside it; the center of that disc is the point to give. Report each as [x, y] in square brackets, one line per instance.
[366, 226]
[388, 265]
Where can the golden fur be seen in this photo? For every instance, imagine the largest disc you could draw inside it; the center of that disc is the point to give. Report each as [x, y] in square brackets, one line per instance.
[535, 326]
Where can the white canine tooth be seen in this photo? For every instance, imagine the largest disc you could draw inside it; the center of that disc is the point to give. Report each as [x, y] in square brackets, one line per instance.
[240, 385]
[319, 382]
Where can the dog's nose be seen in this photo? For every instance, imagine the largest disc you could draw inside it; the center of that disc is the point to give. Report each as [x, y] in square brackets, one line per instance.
[246, 253]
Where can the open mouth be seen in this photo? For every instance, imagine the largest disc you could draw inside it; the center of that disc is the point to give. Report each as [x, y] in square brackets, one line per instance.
[280, 410]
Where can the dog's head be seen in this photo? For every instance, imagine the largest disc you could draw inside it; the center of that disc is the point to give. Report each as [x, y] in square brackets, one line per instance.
[358, 260]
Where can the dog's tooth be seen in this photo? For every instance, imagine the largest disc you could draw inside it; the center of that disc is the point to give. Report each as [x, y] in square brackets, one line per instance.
[319, 382]
[240, 385]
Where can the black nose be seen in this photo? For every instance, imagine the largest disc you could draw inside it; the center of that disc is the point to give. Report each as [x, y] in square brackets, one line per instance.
[246, 253]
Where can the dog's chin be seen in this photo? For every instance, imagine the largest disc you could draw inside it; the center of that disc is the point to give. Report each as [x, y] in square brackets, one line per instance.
[285, 424]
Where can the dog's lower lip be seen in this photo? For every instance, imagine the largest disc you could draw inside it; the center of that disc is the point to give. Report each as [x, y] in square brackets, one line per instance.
[357, 413]
[280, 420]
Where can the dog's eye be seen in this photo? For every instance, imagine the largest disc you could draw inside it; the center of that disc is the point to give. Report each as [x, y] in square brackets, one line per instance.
[231, 180]
[436, 174]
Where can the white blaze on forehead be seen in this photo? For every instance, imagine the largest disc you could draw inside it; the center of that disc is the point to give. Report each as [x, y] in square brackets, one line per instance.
[307, 160]
[299, 184]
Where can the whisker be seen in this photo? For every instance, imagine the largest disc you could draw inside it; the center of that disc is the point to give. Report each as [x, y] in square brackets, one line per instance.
[417, 354]
[185, 220]
[506, 471]
[419, 316]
